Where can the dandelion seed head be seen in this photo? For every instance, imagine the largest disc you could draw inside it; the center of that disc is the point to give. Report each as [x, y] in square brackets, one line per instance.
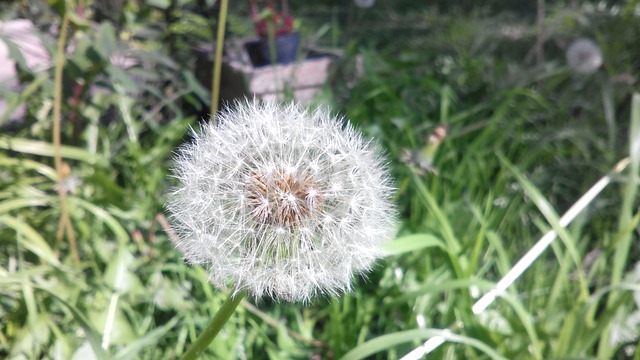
[584, 56]
[281, 201]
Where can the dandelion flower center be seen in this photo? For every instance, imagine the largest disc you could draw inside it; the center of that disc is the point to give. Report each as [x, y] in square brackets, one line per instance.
[282, 197]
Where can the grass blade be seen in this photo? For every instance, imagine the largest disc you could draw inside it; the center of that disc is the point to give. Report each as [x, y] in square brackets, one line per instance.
[389, 341]
[31, 240]
[150, 339]
[411, 243]
[42, 148]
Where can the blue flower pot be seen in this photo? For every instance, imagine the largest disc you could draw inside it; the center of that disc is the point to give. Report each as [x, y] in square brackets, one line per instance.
[286, 50]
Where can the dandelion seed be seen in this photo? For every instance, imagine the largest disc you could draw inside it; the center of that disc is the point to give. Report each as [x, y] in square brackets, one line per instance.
[261, 204]
[584, 56]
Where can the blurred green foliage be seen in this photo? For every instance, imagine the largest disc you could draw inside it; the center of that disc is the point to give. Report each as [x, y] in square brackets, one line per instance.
[131, 92]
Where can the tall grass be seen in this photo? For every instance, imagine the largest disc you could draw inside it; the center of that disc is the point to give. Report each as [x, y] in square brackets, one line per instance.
[524, 143]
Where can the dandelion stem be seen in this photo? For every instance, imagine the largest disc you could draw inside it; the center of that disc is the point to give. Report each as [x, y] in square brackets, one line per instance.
[218, 321]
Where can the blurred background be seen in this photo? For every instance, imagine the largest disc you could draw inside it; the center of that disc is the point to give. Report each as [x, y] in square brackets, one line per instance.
[496, 116]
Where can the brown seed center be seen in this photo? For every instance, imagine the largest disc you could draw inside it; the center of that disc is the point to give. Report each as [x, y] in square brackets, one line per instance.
[282, 197]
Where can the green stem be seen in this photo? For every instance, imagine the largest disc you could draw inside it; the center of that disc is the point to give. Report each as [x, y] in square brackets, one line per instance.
[217, 64]
[218, 321]
[65, 221]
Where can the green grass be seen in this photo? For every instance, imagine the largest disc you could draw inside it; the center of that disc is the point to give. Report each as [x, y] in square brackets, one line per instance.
[524, 143]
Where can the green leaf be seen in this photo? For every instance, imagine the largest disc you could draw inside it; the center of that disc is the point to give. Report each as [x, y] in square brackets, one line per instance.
[203, 93]
[161, 4]
[31, 340]
[122, 82]
[31, 240]
[526, 320]
[410, 243]
[89, 332]
[387, 342]
[42, 148]
[15, 53]
[453, 245]
[552, 217]
[133, 349]
[106, 41]
[22, 202]
[39, 167]
[121, 234]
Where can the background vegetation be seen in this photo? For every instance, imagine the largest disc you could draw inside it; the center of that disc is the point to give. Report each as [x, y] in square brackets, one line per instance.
[526, 138]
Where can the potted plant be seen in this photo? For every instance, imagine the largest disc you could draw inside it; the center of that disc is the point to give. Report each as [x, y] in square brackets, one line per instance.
[277, 42]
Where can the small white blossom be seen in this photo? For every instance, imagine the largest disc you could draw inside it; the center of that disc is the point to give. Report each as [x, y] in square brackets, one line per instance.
[281, 201]
[584, 56]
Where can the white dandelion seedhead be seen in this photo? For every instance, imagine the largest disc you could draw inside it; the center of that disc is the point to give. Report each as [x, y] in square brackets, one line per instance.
[281, 201]
[584, 56]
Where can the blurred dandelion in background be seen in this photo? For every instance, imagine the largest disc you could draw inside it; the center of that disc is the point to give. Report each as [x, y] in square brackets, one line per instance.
[282, 201]
[584, 56]
[364, 4]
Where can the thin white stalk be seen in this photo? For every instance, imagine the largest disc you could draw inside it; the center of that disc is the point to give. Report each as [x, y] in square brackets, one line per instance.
[108, 326]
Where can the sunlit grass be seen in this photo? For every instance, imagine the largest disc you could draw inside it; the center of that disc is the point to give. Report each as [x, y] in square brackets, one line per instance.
[523, 144]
